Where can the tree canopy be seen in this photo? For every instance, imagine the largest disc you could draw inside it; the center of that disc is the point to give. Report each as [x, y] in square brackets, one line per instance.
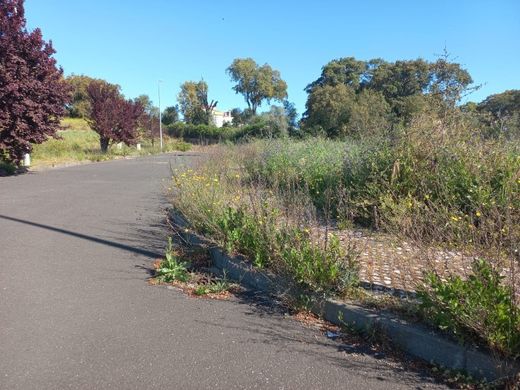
[356, 96]
[501, 112]
[256, 83]
[33, 93]
[113, 117]
[194, 104]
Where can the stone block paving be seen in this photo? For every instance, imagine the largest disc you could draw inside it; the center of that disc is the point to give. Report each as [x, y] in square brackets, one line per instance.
[391, 265]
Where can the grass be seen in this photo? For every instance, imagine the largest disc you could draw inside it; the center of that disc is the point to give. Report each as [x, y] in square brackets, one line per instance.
[77, 142]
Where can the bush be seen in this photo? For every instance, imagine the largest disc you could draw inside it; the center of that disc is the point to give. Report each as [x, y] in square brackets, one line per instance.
[480, 306]
[201, 132]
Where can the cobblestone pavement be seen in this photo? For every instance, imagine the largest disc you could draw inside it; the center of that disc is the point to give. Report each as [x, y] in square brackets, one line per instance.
[398, 266]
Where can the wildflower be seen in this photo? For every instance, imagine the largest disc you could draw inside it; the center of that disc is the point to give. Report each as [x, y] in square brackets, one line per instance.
[478, 214]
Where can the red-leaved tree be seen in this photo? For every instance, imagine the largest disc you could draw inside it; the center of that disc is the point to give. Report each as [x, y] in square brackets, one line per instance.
[113, 117]
[33, 93]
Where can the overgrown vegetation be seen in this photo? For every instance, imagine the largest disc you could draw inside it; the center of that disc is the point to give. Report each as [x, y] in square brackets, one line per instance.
[250, 218]
[438, 183]
[481, 307]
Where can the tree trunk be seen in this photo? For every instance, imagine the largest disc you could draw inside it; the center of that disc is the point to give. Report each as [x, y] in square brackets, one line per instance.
[103, 143]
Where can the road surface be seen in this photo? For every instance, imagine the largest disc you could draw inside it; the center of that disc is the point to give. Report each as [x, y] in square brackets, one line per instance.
[76, 246]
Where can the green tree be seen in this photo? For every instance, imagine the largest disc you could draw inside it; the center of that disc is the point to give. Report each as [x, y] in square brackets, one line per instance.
[256, 83]
[194, 104]
[329, 109]
[501, 113]
[170, 115]
[79, 107]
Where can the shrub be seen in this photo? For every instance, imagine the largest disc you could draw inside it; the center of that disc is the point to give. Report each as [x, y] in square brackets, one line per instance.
[480, 306]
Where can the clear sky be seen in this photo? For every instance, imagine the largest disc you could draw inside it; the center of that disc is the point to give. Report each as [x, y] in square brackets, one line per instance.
[136, 43]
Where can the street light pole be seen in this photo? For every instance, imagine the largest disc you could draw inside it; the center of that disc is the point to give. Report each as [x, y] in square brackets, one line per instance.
[160, 113]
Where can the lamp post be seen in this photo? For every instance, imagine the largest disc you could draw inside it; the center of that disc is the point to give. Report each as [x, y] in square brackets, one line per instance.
[160, 113]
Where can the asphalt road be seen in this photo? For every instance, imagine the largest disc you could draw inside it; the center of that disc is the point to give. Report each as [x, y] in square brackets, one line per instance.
[76, 245]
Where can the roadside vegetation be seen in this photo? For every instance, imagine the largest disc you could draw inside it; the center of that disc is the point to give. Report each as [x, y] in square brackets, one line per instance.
[190, 275]
[77, 142]
[422, 168]
[382, 146]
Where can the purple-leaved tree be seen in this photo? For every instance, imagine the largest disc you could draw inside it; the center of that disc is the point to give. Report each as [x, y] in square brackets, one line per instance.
[113, 117]
[33, 93]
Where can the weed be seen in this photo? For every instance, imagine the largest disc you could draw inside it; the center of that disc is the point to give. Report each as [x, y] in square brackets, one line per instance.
[480, 306]
[172, 268]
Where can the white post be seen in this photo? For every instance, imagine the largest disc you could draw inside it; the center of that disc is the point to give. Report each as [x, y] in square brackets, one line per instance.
[138, 146]
[27, 160]
[160, 114]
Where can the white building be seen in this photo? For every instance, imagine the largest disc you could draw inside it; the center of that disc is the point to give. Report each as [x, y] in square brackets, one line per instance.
[219, 118]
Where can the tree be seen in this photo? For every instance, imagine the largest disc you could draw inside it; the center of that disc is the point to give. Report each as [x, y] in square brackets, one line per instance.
[398, 91]
[79, 107]
[194, 104]
[277, 122]
[329, 108]
[501, 113]
[170, 115]
[292, 116]
[149, 121]
[113, 117]
[33, 93]
[256, 83]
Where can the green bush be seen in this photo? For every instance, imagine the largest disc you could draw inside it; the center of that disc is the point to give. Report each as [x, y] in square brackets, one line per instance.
[480, 306]
[201, 132]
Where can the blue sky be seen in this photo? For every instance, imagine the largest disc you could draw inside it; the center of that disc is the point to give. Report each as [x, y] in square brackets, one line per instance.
[135, 43]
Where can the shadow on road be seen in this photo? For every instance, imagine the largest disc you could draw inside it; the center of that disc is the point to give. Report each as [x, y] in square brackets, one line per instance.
[97, 240]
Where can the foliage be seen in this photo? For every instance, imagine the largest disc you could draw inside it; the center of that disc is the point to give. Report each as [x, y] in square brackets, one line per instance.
[79, 107]
[33, 93]
[170, 115]
[292, 115]
[7, 168]
[428, 184]
[256, 225]
[201, 132]
[79, 143]
[113, 117]
[214, 287]
[194, 104]
[365, 96]
[256, 83]
[501, 114]
[172, 268]
[480, 306]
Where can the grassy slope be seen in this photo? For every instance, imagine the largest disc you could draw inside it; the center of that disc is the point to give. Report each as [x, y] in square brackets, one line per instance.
[79, 143]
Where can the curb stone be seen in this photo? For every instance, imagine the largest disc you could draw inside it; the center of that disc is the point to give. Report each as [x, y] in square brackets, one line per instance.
[417, 340]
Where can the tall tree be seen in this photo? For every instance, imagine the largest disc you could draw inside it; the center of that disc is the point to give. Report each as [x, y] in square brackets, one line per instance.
[113, 117]
[79, 107]
[33, 93]
[170, 115]
[194, 104]
[256, 83]
[403, 87]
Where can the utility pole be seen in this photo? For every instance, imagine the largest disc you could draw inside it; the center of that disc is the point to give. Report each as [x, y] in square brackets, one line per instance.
[160, 113]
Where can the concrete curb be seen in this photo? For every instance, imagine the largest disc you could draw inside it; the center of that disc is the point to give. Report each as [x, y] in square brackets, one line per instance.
[414, 339]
